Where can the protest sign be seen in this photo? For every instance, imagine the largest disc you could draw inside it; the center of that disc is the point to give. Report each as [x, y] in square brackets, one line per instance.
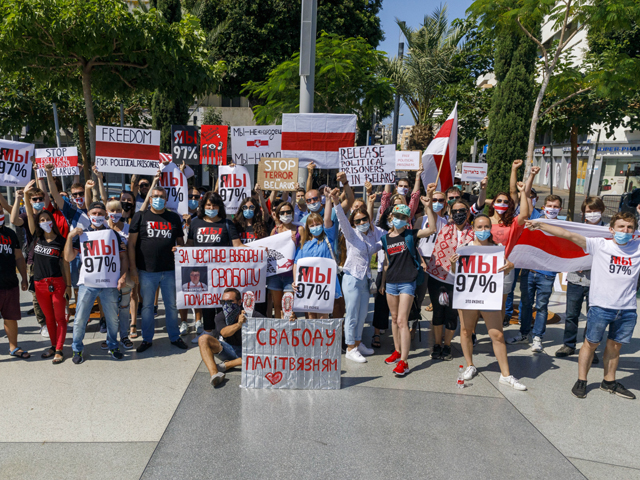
[213, 269]
[213, 144]
[250, 144]
[279, 174]
[100, 256]
[282, 251]
[315, 280]
[65, 160]
[375, 164]
[305, 354]
[175, 184]
[15, 163]
[478, 284]
[234, 187]
[184, 144]
[473, 172]
[408, 160]
[127, 150]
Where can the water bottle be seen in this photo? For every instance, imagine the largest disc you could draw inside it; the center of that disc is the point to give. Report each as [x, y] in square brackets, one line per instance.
[461, 377]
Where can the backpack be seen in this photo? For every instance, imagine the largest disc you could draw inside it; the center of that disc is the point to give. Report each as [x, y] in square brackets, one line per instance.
[408, 240]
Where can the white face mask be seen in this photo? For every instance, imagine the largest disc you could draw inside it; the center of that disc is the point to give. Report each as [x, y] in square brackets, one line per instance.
[551, 212]
[402, 190]
[286, 218]
[46, 226]
[593, 217]
[115, 217]
[97, 220]
[533, 201]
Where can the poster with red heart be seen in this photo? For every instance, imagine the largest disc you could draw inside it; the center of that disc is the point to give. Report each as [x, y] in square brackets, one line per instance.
[302, 355]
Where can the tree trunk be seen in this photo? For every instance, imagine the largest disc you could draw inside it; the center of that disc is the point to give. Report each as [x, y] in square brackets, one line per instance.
[574, 173]
[86, 163]
[534, 122]
[91, 120]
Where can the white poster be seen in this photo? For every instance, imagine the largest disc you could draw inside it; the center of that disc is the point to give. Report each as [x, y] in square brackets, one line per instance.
[15, 163]
[250, 144]
[478, 284]
[234, 187]
[100, 257]
[127, 150]
[175, 184]
[408, 160]
[281, 252]
[473, 172]
[375, 164]
[65, 160]
[567, 178]
[315, 281]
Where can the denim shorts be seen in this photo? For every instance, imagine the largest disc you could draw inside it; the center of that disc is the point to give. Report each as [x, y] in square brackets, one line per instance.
[281, 282]
[396, 289]
[229, 352]
[621, 324]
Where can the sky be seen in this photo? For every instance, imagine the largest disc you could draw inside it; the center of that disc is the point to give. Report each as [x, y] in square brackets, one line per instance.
[412, 12]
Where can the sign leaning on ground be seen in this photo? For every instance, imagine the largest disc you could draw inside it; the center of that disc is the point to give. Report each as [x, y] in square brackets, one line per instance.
[303, 354]
[185, 145]
[250, 144]
[473, 172]
[374, 163]
[280, 174]
[408, 160]
[315, 281]
[127, 150]
[64, 158]
[15, 163]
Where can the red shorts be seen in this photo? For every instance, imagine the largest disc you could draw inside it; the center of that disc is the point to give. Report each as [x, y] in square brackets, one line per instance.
[10, 304]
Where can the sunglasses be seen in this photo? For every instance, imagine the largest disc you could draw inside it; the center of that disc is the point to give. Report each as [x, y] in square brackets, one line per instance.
[76, 195]
[246, 207]
[144, 185]
[113, 198]
[454, 198]
[37, 199]
[286, 212]
[438, 200]
[194, 197]
[312, 200]
[462, 210]
[227, 302]
[360, 221]
[499, 202]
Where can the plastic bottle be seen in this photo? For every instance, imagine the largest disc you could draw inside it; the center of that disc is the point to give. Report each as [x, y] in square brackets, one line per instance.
[461, 377]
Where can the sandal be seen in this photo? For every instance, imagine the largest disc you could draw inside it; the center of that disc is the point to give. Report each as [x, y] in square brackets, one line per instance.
[48, 353]
[376, 343]
[429, 308]
[21, 354]
[60, 359]
[133, 333]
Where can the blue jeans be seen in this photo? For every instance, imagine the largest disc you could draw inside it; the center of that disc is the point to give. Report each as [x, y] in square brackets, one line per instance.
[149, 282]
[74, 268]
[620, 322]
[576, 294]
[109, 302]
[124, 314]
[395, 289]
[229, 352]
[540, 288]
[356, 301]
[508, 305]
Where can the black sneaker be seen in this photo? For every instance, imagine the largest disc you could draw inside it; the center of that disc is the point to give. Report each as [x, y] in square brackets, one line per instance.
[437, 352]
[595, 359]
[618, 389]
[446, 353]
[180, 344]
[155, 311]
[565, 351]
[580, 389]
[144, 346]
[116, 354]
[77, 358]
[104, 345]
[507, 321]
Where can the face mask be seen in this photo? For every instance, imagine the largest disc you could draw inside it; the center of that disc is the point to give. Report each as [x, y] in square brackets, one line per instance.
[46, 226]
[452, 201]
[437, 206]
[248, 213]
[533, 202]
[38, 206]
[482, 235]
[80, 201]
[286, 218]
[459, 187]
[398, 224]
[314, 207]
[551, 212]
[621, 238]
[126, 206]
[402, 190]
[157, 203]
[211, 213]
[97, 220]
[390, 223]
[363, 227]
[317, 230]
[231, 312]
[593, 217]
[501, 208]
[459, 218]
[193, 204]
[115, 217]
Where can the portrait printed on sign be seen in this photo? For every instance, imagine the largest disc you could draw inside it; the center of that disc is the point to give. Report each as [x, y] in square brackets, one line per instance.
[194, 279]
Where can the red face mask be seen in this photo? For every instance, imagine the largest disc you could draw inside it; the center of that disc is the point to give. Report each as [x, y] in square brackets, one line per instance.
[501, 208]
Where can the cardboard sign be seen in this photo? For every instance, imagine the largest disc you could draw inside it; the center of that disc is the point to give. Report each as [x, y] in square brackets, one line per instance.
[478, 284]
[315, 280]
[175, 184]
[375, 164]
[184, 144]
[305, 354]
[100, 258]
[213, 144]
[250, 144]
[213, 269]
[127, 150]
[15, 163]
[279, 174]
[408, 160]
[234, 187]
[282, 252]
[473, 172]
[64, 158]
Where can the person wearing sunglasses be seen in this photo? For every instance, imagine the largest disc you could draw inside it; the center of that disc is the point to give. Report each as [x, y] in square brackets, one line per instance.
[453, 194]
[139, 188]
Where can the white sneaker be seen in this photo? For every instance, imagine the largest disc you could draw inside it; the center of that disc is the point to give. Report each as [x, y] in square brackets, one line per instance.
[222, 367]
[216, 379]
[44, 331]
[355, 356]
[184, 328]
[537, 345]
[470, 372]
[199, 328]
[512, 382]
[364, 350]
[204, 332]
[519, 339]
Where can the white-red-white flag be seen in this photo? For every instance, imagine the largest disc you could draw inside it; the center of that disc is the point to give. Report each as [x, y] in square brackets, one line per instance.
[317, 137]
[442, 151]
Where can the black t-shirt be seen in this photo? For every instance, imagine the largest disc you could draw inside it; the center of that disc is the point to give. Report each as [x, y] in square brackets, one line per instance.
[8, 245]
[212, 234]
[402, 268]
[236, 338]
[157, 235]
[248, 235]
[46, 258]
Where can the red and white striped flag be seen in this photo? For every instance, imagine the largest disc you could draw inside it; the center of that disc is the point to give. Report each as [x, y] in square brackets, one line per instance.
[164, 157]
[442, 150]
[317, 137]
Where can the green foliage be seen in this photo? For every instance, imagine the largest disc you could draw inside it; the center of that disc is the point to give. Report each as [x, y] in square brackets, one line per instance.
[171, 10]
[167, 111]
[213, 116]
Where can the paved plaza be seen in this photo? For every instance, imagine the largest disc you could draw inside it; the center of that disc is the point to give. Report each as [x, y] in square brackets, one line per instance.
[155, 416]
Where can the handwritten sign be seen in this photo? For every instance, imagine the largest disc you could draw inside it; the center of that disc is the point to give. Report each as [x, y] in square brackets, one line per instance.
[315, 280]
[184, 144]
[375, 164]
[473, 172]
[250, 144]
[175, 184]
[234, 187]
[15, 163]
[305, 354]
[213, 144]
[127, 150]
[408, 160]
[279, 174]
[65, 160]
[218, 268]
[478, 284]
[281, 252]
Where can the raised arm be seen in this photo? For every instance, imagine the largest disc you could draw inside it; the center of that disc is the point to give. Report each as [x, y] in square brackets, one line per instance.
[30, 220]
[52, 186]
[348, 202]
[558, 232]
[4, 204]
[147, 199]
[433, 221]
[371, 200]
[347, 230]
[69, 252]
[310, 168]
[526, 208]
[482, 196]
[263, 202]
[513, 180]
[41, 182]
[15, 210]
[101, 189]
[327, 206]
[134, 185]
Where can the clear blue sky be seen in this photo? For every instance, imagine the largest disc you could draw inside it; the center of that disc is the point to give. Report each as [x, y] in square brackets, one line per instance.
[412, 12]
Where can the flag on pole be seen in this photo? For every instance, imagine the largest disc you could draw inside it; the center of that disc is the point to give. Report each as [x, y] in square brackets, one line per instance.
[442, 151]
[317, 137]
[165, 157]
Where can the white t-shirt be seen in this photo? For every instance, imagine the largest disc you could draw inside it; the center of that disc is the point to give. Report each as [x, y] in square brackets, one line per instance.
[426, 245]
[614, 273]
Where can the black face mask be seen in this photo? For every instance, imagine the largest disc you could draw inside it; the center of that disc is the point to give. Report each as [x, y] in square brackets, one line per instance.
[126, 206]
[459, 218]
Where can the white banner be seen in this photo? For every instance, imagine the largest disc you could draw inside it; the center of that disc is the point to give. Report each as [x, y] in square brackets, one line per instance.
[478, 284]
[316, 285]
[375, 164]
[234, 187]
[408, 160]
[250, 144]
[281, 250]
[100, 256]
[127, 150]
[203, 274]
[15, 163]
[65, 160]
[473, 172]
[176, 186]
[305, 354]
